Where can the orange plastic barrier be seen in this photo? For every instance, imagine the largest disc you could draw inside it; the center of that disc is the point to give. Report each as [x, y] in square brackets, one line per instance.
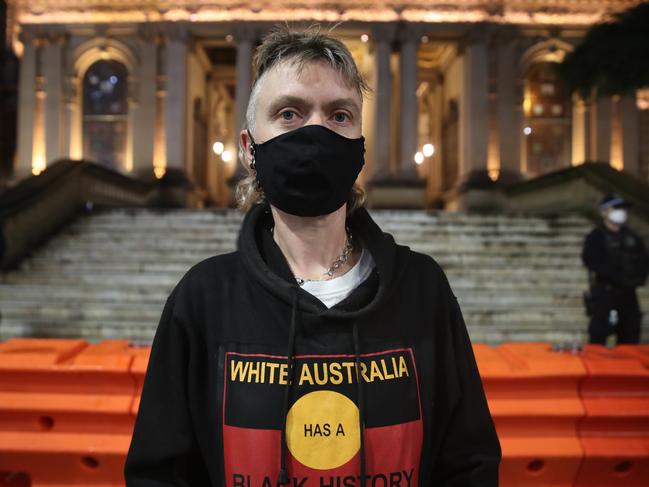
[65, 411]
[639, 352]
[138, 371]
[533, 398]
[615, 430]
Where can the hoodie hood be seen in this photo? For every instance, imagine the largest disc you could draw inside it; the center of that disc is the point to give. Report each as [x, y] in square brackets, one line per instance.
[265, 262]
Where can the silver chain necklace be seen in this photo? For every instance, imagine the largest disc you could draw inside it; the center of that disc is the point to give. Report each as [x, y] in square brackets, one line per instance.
[337, 264]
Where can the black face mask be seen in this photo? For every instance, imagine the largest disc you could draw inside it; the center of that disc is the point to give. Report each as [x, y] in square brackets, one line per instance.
[308, 171]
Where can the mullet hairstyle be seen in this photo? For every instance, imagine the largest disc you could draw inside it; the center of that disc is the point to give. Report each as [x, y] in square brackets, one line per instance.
[300, 47]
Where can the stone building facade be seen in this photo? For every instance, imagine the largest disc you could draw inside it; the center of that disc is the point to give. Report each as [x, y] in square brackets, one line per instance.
[461, 92]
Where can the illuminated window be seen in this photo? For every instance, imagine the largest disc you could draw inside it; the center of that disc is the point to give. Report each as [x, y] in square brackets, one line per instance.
[105, 113]
[547, 127]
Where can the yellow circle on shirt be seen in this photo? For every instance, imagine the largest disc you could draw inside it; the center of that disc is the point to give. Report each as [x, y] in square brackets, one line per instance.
[322, 430]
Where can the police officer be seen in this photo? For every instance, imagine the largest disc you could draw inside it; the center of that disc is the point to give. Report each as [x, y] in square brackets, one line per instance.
[617, 263]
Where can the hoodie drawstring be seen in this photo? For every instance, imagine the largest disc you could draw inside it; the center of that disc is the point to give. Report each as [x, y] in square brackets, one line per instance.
[282, 478]
[361, 402]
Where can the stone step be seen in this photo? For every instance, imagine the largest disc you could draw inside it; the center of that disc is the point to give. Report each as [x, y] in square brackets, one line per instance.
[50, 316]
[451, 263]
[199, 242]
[107, 275]
[430, 230]
[93, 332]
[62, 311]
[457, 275]
[83, 298]
[136, 333]
[463, 286]
[78, 295]
[149, 316]
[171, 244]
[486, 257]
[209, 213]
[162, 280]
[504, 224]
[130, 282]
[495, 338]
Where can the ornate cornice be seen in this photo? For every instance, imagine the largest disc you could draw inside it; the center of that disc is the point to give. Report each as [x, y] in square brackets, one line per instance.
[520, 12]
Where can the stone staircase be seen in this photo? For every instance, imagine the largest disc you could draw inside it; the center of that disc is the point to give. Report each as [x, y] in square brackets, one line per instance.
[107, 275]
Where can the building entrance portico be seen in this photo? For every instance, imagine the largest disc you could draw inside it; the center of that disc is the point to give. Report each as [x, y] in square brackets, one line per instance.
[454, 101]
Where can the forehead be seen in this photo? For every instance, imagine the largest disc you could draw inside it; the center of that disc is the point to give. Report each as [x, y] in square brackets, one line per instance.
[312, 80]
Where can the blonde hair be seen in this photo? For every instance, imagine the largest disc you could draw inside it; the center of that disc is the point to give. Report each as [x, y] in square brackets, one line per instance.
[301, 47]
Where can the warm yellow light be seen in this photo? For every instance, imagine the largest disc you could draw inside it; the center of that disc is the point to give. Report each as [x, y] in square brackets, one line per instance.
[218, 148]
[428, 149]
[226, 156]
[527, 105]
[159, 171]
[419, 158]
[38, 141]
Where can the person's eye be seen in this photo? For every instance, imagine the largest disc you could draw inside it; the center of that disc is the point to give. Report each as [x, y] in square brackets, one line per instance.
[341, 117]
[288, 115]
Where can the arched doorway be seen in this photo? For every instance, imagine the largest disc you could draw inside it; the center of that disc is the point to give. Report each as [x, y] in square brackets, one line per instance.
[547, 125]
[105, 113]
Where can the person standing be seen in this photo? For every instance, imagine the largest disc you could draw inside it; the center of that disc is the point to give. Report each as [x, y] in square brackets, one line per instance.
[321, 352]
[617, 264]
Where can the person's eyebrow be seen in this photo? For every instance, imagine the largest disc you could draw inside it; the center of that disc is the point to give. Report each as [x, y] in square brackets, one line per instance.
[348, 103]
[286, 100]
[290, 100]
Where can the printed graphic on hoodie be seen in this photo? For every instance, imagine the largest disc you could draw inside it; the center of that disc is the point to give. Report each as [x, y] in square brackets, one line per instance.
[322, 424]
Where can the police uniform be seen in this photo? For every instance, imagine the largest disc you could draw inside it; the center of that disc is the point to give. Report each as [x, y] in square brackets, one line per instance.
[618, 263]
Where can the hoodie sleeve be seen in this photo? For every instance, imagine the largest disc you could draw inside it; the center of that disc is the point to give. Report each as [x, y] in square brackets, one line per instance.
[163, 450]
[469, 453]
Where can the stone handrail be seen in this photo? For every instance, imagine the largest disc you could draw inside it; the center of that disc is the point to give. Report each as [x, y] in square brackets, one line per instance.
[580, 188]
[39, 205]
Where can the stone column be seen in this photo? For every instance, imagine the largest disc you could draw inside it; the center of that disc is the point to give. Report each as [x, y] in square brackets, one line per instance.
[53, 73]
[509, 110]
[26, 106]
[244, 36]
[145, 109]
[474, 114]
[72, 117]
[382, 36]
[601, 129]
[175, 105]
[409, 40]
[435, 169]
[629, 122]
[580, 130]
[132, 101]
[39, 163]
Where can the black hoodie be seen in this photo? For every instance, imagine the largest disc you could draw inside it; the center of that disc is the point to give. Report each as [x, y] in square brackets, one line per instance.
[219, 408]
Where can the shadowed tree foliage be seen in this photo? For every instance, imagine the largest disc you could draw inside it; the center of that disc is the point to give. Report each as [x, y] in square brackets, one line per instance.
[8, 99]
[613, 57]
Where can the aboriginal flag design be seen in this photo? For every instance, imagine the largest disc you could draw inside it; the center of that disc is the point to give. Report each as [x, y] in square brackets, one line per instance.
[322, 428]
